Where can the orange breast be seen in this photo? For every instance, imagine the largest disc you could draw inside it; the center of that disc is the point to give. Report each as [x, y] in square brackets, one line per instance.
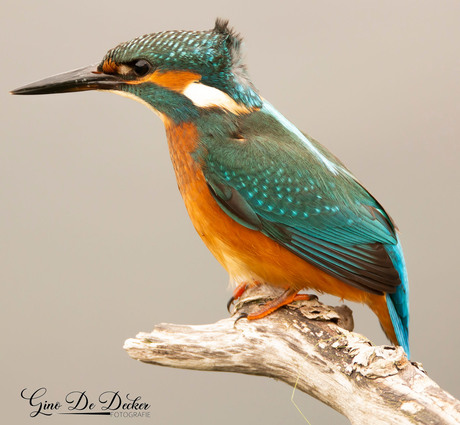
[247, 254]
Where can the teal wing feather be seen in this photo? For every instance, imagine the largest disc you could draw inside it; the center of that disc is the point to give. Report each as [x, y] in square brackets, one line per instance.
[274, 184]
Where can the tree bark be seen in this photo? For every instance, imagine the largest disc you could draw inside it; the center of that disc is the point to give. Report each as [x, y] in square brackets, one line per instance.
[311, 347]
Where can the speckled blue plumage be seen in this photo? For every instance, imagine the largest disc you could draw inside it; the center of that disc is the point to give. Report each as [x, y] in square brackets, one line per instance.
[214, 54]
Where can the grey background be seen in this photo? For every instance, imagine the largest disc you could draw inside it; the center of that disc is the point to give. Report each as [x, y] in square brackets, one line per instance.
[96, 244]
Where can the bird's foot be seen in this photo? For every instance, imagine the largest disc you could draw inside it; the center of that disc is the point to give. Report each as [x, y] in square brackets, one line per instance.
[287, 297]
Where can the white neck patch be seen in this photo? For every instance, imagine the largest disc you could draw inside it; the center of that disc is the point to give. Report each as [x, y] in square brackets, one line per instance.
[205, 96]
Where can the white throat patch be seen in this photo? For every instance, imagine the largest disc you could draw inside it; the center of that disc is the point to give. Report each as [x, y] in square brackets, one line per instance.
[138, 99]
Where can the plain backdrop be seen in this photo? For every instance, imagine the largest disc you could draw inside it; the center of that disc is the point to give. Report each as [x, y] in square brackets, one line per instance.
[96, 245]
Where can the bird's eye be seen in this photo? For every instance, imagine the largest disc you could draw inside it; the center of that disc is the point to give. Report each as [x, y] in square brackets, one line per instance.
[141, 67]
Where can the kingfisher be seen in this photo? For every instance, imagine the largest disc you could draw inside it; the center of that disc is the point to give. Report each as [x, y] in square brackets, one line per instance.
[272, 204]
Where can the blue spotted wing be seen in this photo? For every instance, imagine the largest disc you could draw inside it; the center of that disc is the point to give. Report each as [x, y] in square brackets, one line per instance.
[306, 200]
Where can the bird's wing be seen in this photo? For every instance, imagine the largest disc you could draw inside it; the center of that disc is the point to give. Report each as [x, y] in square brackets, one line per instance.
[327, 218]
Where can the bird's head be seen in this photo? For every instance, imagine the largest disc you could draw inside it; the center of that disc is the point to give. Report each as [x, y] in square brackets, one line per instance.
[177, 73]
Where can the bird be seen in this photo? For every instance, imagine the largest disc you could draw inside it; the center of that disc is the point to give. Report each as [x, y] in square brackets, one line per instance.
[271, 203]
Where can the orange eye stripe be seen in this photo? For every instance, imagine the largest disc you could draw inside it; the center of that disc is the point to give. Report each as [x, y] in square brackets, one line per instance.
[173, 80]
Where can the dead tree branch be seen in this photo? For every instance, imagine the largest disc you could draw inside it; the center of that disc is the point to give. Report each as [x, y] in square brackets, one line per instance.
[307, 346]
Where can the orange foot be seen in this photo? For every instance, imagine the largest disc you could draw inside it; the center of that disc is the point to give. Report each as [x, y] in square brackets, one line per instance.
[287, 297]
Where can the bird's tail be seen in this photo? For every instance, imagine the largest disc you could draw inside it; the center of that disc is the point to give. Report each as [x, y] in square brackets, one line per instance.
[398, 302]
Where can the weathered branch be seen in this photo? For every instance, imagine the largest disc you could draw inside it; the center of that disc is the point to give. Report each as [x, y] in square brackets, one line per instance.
[308, 347]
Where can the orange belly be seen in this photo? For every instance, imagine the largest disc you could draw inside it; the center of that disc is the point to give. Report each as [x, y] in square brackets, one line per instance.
[246, 254]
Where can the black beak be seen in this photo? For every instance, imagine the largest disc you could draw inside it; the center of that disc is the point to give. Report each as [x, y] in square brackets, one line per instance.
[88, 78]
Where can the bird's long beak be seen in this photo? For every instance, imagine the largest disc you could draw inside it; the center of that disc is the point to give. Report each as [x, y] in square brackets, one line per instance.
[88, 78]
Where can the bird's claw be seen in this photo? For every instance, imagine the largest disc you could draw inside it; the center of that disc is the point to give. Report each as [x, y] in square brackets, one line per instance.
[241, 316]
[229, 303]
[239, 290]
